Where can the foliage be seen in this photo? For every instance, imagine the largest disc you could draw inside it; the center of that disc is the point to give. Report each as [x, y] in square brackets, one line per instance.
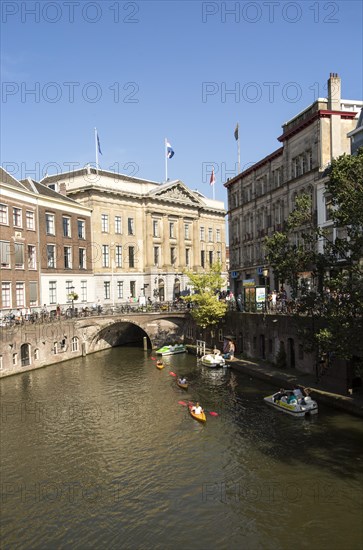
[206, 309]
[337, 299]
[73, 296]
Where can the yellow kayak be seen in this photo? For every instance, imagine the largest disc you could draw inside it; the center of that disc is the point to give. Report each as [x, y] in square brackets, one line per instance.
[201, 417]
[184, 386]
[160, 365]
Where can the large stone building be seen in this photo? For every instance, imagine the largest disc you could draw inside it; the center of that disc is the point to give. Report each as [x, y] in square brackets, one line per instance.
[145, 234]
[261, 197]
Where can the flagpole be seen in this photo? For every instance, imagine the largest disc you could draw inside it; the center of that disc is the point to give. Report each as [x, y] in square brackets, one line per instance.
[166, 161]
[239, 155]
[96, 145]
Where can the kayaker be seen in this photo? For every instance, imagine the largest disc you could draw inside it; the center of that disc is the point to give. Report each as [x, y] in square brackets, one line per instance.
[197, 409]
[182, 380]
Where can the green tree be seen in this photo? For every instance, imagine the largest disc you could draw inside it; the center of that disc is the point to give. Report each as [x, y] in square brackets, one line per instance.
[207, 310]
[335, 305]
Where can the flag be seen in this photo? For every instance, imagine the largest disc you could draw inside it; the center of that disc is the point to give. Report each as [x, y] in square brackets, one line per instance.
[98, 144]
[236, 133]
[169, 150]
[212, 178]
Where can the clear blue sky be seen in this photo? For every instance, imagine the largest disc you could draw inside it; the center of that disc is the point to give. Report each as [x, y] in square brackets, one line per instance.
[144, 71]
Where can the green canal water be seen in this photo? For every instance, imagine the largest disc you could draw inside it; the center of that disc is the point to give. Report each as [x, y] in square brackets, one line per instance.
[98, 453]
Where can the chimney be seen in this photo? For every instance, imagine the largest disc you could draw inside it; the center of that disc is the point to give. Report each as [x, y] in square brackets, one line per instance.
[334, 92]
[62, 188]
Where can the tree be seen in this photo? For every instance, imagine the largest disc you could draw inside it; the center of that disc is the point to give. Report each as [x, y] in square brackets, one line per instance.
[208, 309]
[335, 305]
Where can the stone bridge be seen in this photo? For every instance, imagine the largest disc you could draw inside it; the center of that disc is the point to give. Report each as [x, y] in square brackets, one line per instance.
[29, 346]
[115, 330]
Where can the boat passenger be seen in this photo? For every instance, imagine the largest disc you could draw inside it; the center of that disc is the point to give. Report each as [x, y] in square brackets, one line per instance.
[197, 409]
[182, 380]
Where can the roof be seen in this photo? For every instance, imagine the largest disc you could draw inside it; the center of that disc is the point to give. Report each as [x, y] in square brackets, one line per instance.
[45, 191]
[5, 177]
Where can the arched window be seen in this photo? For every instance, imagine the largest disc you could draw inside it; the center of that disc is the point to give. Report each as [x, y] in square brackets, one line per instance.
[25, 355]
[75, 342]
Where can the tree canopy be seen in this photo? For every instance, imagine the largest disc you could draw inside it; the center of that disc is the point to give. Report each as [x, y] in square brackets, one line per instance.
[207, 309]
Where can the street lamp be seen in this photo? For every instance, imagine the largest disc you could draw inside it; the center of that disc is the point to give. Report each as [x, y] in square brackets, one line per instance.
[265, 275]
[73, 296]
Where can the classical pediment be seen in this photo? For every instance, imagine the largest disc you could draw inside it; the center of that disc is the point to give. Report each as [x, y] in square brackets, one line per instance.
[176, 192]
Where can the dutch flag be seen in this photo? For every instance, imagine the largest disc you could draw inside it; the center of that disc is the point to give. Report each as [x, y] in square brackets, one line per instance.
[169, 150]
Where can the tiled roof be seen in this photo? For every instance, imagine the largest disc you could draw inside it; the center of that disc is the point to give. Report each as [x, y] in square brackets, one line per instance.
[9, 180]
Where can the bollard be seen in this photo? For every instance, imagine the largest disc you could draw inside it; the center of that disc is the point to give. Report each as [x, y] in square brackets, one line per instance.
[145, 343]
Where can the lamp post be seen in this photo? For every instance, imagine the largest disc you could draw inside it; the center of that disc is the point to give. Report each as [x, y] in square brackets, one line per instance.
[71, 294]
[265, 275]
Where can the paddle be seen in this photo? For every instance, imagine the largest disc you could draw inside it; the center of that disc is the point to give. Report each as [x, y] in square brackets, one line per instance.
[212, 413]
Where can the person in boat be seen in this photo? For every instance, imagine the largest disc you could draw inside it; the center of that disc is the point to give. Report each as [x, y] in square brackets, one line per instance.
[281, 393]
[159, 363]
[182, 380]
[197, 409]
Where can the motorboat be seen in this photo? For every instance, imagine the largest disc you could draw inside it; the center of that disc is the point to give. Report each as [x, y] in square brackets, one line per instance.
[171, 350]
[213, 360]
[292, 402]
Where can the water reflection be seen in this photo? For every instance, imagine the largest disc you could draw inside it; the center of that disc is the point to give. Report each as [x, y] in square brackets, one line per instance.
[98, 452]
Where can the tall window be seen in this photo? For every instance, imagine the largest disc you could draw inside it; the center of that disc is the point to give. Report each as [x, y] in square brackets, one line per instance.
[6, 294]
[131, 256]
[187, 257]
[130, 226]
[19, 255]
[104, 223]
[81, 225]
[133, 289]
[219, 256]
[156, 255]
[202, 258]
[83, 291]
[67, 257]
[173, 255]
[49, 224]
[66, 227]
[82, 258]
[202, 234]
[218, 235]
[33, 293]
[106, 290]
[120, 289]
[4, 218]
[51, 255]
[171, 230]
[17, 217]
[32, 261]
[118, 255]
[105, 256]
[30, 224]
[5, 253]
[75, 342]
[19, 291]
[155, 228]
[210, 234]
[52, 292]
[210, 257]
[186, 231]
[118, 225]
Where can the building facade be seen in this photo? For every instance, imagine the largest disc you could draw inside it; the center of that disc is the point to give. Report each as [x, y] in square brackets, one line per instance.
[261, 197]
[145, 234]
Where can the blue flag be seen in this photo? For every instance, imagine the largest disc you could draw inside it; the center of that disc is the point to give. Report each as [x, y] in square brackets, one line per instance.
[99, 145]
[169, 150]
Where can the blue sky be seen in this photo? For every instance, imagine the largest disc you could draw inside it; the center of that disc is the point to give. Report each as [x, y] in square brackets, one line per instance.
[144, 71]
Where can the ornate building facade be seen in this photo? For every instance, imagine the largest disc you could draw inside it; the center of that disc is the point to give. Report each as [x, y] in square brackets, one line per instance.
[145, 234]
[261, 197]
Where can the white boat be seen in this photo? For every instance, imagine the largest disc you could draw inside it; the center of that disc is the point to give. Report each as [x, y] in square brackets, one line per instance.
[292, 404]
[213, 360]
[171, 350]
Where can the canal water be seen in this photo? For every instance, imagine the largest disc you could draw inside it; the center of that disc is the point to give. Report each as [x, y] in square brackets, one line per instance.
[99, 453]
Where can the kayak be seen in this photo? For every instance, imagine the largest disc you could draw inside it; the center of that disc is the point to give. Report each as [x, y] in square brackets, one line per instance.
[184, 386]
[160, 365]
[201, 417]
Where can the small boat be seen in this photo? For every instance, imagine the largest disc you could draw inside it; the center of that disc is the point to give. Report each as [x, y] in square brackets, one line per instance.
[213, 360]
[289, 403]
[201, 417]
[183, 386]
[171, 350]
[159, 365]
